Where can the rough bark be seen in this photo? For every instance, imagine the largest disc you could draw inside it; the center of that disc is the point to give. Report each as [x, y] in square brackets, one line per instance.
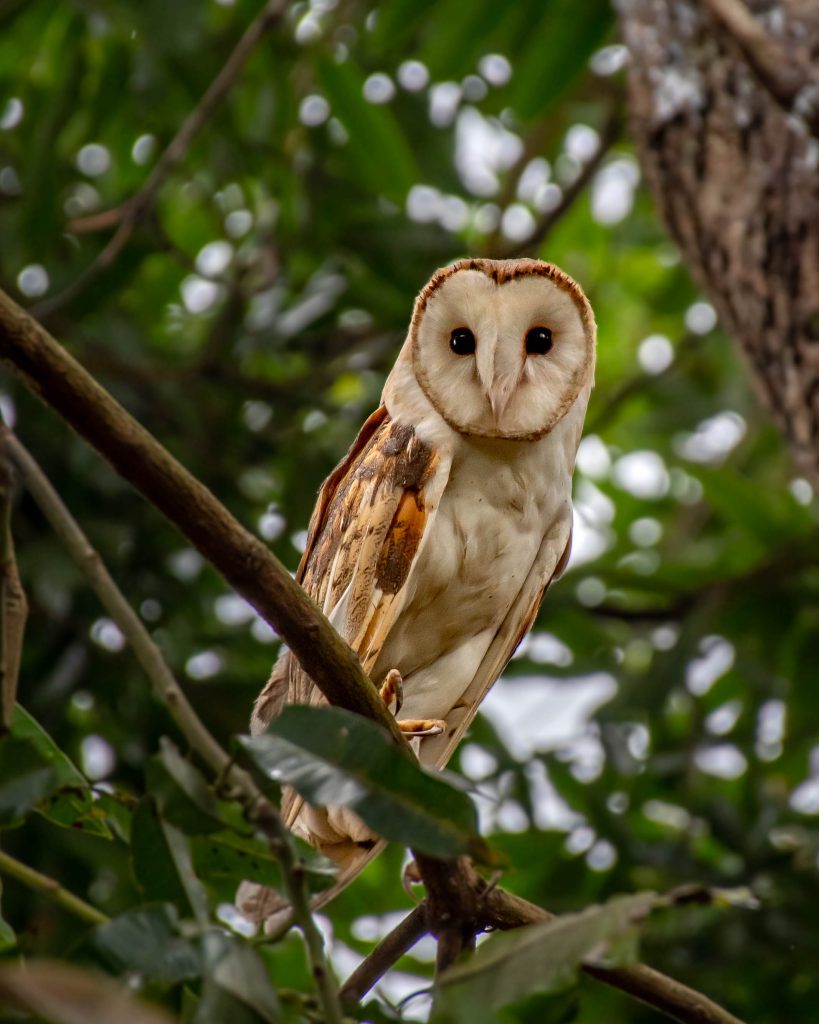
[733, 170]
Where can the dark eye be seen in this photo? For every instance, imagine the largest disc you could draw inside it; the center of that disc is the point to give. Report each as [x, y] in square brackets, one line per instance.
[538, 341]
[462, 341]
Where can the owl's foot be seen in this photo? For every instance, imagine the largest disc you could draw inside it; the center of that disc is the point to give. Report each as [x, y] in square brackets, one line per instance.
[422, 726]
[392, 689]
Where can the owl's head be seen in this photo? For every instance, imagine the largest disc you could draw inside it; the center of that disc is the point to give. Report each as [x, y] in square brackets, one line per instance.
[502, 348]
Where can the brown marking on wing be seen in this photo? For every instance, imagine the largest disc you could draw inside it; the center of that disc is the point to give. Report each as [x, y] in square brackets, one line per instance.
[401, 542]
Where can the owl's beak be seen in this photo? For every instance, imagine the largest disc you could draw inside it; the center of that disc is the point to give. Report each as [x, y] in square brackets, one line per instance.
[498, 381]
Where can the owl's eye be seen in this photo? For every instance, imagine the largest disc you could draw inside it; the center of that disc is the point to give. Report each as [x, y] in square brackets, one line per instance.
[538, 341]
[462, 341]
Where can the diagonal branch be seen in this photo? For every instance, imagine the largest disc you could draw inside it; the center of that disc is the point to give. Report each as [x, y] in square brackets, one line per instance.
[538, 235]
[51, 888]
[126, 217]
[792, 81]
[245, 562]
[385, 955]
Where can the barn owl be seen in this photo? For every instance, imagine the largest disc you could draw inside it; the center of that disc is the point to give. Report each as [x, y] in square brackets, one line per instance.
[434, 540]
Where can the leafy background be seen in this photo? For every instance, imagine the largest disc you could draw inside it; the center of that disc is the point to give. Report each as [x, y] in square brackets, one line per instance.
[659, 725]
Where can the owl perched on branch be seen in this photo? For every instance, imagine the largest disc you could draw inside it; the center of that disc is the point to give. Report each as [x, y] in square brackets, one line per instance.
[435, 539]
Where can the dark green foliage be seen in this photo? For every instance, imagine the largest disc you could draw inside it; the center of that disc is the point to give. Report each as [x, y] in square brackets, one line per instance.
[660, 728]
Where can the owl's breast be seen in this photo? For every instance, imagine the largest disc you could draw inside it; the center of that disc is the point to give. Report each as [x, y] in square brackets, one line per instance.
[482, 544]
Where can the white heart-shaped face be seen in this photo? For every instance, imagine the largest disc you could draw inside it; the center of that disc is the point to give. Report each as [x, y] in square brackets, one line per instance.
[502, 347]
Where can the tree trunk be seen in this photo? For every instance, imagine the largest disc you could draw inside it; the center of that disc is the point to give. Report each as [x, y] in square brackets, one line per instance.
[724, 101]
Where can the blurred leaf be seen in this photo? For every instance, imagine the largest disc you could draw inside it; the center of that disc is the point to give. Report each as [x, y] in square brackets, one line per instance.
[7, 937]
[74, 806]
[147, 941]
[182, 793]
[162, 862]
[71, 995]
[26, 777]
[237, 987]
[541, 957]
[335, 758]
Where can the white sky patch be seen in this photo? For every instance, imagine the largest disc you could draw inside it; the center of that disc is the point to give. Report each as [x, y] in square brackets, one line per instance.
[545, 649]
[97, 757]
[256, 415]
[722, 760]
[548, 197]
[313, 110]
[805, 798]
[143, 149]
[713, 439]
[593, 459]
[700, 318]
[474, 89]
[609, 60]
[588, 541]
[716, 658]
[536, 714]
[645, 532]
[670, 815]
[495, 68]
[770, 730]
[642, 473]
[299, 540]
[723, 719]
[581, 143]
[33, 280]
[232, 610]
[185, 564]
[107, 634]
[272, 525]
[199, 295]
[483, 149]
[379, 88]
[204, 665]
[655, 354]
[612, 194]
[214, 258]
[517, 222]
[238, 223]
[477, 763]
[93, 159]
[665, 637]
[801, 490]
[602, 856]
[412, 75]
[535, 175]
[444, 100]
[12, 115]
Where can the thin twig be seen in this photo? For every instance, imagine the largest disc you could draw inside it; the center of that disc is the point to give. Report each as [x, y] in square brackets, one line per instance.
[258, 809]
[51, 888]
[13, 603]
[385, 955]
[537, 236]
[790, 78]
[131, 212]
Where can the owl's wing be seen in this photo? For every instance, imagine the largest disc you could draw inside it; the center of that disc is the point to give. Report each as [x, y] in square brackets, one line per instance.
[549, 564]
[365, 535]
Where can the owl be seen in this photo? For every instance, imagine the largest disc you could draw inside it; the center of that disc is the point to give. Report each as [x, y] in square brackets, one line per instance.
[435, 539]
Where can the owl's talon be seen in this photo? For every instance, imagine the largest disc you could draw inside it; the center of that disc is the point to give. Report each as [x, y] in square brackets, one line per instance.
[392, 689]
[410, 876]
[422, 726]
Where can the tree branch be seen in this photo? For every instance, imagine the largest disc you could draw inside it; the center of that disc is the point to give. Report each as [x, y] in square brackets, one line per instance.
[51, 888]
[131, 212]
[792, 81]
[258, 808]
[245, 562]
[385, 955]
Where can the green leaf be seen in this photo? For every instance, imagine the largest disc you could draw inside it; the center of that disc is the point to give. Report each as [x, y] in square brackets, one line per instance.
[335, 758]
[182, 792]
[162, 862]
[69, 995]
[74, 806]
[147, 941]
[376, 147]
[237, 985]
[541, 957]
[27, 777]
